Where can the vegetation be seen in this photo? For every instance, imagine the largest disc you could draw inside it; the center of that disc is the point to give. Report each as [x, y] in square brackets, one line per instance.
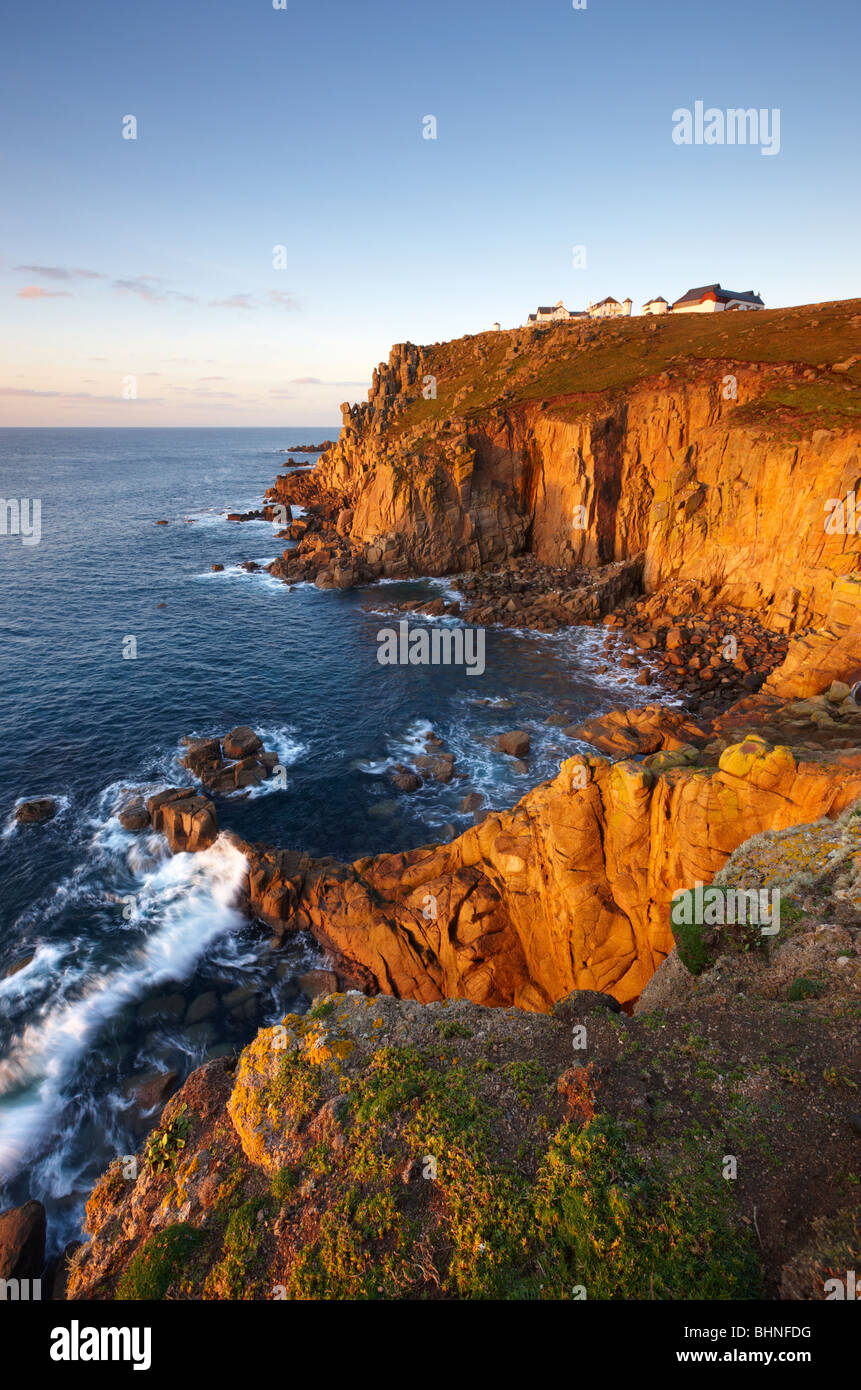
[425, 1200]
[164, 1146]
[165, 1265]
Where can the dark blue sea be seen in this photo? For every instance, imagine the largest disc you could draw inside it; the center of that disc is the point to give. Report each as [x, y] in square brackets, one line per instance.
[106, 941]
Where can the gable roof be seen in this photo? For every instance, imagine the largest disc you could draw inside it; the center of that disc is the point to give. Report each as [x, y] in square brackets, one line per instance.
[693, 296]
[656, 299]
[696, 295]
[608, 300]
[746, 296]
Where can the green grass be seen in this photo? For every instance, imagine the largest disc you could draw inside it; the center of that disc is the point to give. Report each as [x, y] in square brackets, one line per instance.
[579, 376]
[165, 1264]
[568, 1208]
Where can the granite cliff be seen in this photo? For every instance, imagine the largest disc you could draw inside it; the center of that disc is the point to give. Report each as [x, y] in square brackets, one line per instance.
[429, 1137]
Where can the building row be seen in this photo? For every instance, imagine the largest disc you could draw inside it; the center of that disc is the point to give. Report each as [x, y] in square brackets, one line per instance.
[705, 299]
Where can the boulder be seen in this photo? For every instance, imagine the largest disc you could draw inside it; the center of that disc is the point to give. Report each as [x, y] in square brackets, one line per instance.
[188, 821]
[150, 1090]
[515, 743]
[203, 756]
[201, 1008]
[241, 742]
[36, 812]
[133, 815]
[406, 781]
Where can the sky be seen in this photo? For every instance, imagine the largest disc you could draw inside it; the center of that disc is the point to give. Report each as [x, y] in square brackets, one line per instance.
[139, 279]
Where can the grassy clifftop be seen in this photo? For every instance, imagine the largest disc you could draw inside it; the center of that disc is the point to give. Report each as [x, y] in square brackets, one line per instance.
[579, 366]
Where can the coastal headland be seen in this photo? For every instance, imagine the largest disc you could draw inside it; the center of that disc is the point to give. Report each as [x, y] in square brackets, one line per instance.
[524, 1082]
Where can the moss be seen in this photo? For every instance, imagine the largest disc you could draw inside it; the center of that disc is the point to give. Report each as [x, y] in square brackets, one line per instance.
[164, 1266]
[450, 1028]
[233, 1276]
[284, 1184]
[426, 1200]
[804, 988]
[627, 1230]
[699, 943]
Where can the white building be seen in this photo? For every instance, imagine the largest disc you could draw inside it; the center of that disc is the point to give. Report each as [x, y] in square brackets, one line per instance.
[609, 308]
[553, 313]
[656, 306]
[711, 299]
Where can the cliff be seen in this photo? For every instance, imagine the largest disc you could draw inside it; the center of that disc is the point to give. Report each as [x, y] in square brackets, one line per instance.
[713, 447]
[570, 889]
[380, 1148]
[411, 1142]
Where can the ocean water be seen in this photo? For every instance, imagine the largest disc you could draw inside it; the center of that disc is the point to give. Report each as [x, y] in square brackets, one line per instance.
[113, 938]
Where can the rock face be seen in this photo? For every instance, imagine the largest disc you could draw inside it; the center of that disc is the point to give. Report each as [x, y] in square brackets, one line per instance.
[381, 1148]
[569, 890]
[188, 821]
[22, 1241]
[600, 450]
[831, 652]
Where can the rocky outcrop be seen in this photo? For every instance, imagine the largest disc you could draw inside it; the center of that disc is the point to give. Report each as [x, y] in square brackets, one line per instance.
[706, 481]
[235, 763]
[828, 653]
[381, 1148]
[188, 821]
[569, 890]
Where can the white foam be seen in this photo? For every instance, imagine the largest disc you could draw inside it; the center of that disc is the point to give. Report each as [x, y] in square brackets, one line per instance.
[190, 898]
[12, 826]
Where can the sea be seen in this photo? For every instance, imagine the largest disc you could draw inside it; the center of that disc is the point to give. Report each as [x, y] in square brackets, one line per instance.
[119, 963]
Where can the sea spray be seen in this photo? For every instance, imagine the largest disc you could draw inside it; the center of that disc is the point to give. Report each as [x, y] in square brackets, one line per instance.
[191, 898]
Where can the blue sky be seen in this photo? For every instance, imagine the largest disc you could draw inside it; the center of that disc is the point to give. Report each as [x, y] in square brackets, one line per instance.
[303, 128]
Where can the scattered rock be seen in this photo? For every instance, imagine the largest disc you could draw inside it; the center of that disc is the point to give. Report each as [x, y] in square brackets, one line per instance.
[515, 743]
[37, 811]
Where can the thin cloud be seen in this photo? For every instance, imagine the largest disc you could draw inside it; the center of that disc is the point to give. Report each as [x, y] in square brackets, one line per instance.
[279, 299]
[61, 272]
[318, 381]
[77, 396]
[36, 292]
[236, 301]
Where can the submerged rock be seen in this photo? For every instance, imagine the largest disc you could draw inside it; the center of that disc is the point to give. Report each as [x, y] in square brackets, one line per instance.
[37, 811]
